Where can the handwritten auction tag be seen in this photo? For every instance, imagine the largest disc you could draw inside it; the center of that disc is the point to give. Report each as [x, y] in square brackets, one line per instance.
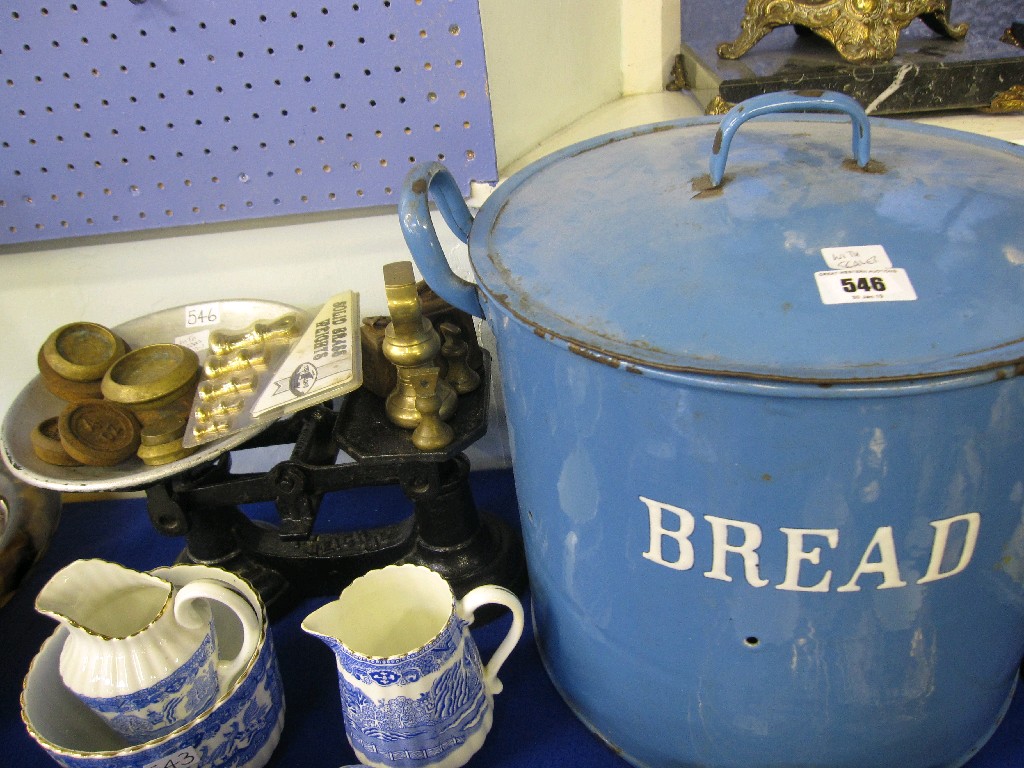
[198, 342]
[198, 315]
[857, 257]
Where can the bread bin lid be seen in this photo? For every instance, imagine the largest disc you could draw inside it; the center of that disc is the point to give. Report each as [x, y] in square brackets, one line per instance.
[801, 265]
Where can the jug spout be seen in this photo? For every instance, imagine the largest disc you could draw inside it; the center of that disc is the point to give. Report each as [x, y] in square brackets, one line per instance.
[322, 623]
[104, 599]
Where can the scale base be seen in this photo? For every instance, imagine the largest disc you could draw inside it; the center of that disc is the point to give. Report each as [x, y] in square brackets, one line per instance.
[289, 559]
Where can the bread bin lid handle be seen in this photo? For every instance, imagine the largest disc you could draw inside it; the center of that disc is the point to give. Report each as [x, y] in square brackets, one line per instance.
[790, 101]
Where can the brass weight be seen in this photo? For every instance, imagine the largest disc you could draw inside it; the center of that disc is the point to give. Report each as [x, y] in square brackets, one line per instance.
[431, 434]
[283, 329]
[411, 343]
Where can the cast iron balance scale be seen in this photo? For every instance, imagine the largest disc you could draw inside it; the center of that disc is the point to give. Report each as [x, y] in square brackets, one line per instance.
[413, 438]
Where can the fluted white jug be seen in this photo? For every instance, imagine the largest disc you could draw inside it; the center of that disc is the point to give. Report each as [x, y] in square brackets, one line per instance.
[140, 652]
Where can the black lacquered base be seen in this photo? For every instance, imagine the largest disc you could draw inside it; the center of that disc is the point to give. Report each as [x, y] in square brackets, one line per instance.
[928, 72]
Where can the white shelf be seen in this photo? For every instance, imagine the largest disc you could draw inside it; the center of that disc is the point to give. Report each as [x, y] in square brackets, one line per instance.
[1006, 127]
[626, 112]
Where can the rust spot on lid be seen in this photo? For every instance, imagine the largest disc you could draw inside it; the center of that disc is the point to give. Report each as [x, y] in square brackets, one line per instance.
[873, 166]
[717, 146]
[419, 186]
[703, 187]
[707, 193]
[813, 93]
[597, 357]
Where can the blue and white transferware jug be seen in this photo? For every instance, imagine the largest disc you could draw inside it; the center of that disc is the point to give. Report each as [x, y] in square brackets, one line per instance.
[413, 688]
[141, 653]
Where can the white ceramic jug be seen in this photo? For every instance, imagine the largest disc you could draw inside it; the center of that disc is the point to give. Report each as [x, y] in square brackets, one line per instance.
[141, 653]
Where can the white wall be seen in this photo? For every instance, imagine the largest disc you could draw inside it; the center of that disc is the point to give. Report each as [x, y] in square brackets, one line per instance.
[548, 62]
[650, 44]
[551, 62]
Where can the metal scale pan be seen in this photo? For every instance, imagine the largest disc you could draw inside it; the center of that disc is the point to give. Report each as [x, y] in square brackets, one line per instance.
[35, 403]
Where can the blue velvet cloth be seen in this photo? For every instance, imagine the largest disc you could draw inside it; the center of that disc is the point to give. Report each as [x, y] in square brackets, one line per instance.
[532, 725]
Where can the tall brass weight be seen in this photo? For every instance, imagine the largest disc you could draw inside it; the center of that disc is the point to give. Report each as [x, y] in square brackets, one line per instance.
[411, 343]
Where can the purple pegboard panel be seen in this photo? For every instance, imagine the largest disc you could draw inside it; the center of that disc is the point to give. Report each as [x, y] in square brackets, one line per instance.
[117, 115]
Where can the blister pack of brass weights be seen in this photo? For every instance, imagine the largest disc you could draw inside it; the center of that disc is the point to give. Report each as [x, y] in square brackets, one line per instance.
[275, 367]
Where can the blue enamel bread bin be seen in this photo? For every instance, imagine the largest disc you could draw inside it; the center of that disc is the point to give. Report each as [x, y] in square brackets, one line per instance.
[767, 425]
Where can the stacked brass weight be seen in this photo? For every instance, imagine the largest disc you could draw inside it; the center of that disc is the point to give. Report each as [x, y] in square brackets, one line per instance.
[380, 375]
[431, 434]
[72, 363]
[46, 444]
[74, 358]
[157, 383]
[455, 351]
[439, 311]
[98, 432]
[412, 344]
[230, 372]
[161, 439]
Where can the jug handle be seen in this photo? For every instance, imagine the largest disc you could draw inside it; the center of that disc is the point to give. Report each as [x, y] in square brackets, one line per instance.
[489, 593]
[228, 670]
[421, 237]
[790, 101]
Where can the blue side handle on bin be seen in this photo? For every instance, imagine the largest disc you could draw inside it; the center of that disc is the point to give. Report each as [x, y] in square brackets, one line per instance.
[421, 237]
